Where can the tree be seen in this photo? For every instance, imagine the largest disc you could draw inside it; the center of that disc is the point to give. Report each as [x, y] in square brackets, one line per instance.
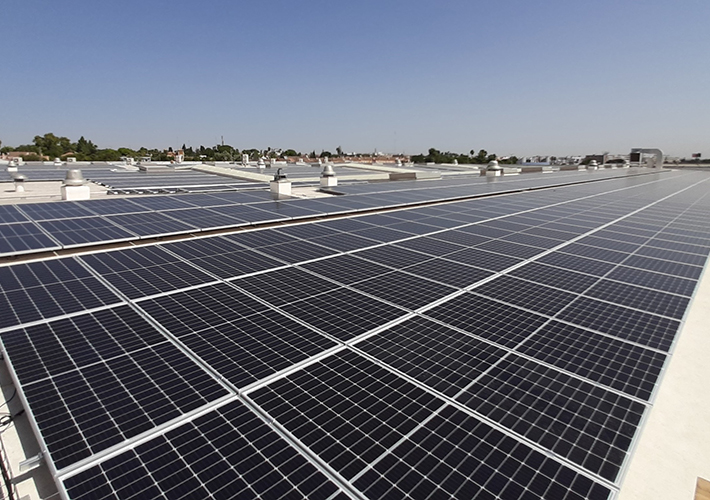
[290, 152]
[53, 146]
[339, 150]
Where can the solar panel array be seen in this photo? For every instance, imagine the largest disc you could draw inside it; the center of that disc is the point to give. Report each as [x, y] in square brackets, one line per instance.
[43, 227]
[505, 347]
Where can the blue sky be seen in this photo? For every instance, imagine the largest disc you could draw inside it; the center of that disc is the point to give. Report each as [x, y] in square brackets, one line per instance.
[509, 76]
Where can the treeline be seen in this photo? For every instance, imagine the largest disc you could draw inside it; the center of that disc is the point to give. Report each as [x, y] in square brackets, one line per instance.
[52, 146]
[436, 156]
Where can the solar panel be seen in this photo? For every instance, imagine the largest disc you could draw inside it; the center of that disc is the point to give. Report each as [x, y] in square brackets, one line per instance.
[86, 230]
[665, 304]
[296, 251]
[635, 326]
[574, 263]
[148, 270]
[404, 289]
[285, 285]
[448, 272]
[584, 423]
[522, 293]
[53, 210]
[343, 313]
[509, 248]
[506, 325]
[664, 266]
[40, 290]
[656, 281]
[10, 213]
[94, 380]
[242, 347]
[436, 355]
[486, 260]
[214, 456]
[611, 362]
[150, 224]
[346, 268]
[392, 439]
[24, 237]
[680, 257]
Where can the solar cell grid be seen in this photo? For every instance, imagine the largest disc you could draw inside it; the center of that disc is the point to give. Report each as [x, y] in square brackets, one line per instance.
[346, 268]
[448, 272]
[194, 310]
[393, 256]
[555, 276]
[256, 346]
[526, 238]
[506, 325]
[203, 218]
[594, 252]
[404, 289]
[539, 298]
[259, 239]
[49, 211]
[460, 237]
[608, 244]
[608, 361]
[85, 230]
[40, 290]
[22, 237]
[431, 246]
[650, 279]
[673, 306]
[344, 242]
[382, 234]
[454, 455]
[343, 313]
[308, 230]
[673, 256]
[285, 285]
[574, 263]
[684, 239]
[635, 326]
[440, 357]
[485, 260]
[150, 224]
[489, 230]
[250, 213]
[151, 203]
[297, 251]
[509, 248]
[584, 423]
[82, 406]
[346, 409]
[664, 266]
[441, 222]
[214, 456]
[679, 247]
[413, 227]
[10, 213]
[144, 271]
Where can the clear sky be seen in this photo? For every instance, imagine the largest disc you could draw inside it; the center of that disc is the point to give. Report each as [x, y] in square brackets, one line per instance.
[509, 76]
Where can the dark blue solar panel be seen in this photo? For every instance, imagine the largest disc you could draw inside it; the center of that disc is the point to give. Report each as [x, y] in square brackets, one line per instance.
[22, 237]
[86, 230]
[217, 456]
[93, 381]
[40, 290]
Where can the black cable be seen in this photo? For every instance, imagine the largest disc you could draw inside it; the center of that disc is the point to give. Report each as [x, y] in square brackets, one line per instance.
[11, 397]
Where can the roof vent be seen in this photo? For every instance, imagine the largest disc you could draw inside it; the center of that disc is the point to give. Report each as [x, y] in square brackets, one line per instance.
[19, 180]
[74, 178]
[279, 175]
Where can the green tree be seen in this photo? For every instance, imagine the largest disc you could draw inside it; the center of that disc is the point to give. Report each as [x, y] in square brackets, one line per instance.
[53, 146]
